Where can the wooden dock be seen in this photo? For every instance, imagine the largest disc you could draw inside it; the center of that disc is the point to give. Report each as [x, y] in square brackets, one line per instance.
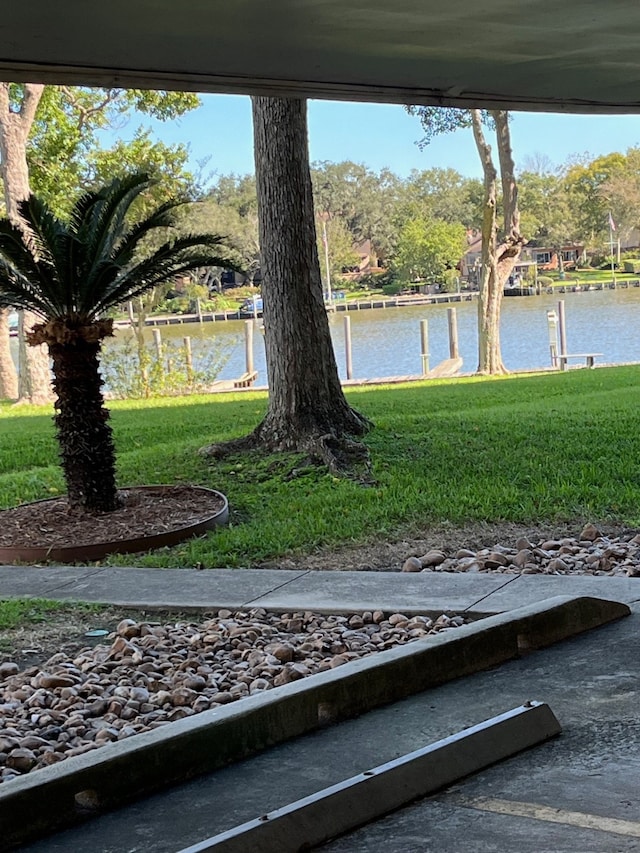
[337, 306]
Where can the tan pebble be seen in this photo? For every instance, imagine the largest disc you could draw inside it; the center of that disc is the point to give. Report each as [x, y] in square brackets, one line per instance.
[432, 558]
[397, 618]
[463, 553]
[8, 668]
[590, 533]
[33, 742]
[179, 714]
[523, 557]
[284, 653]
[338, 660]
[128, 628]
[412, 564]
[50, 682]
[121, 647]
[222, 698]
[51, 757]
[21, 760]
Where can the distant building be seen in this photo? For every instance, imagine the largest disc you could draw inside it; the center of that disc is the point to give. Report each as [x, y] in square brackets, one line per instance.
[548, 258]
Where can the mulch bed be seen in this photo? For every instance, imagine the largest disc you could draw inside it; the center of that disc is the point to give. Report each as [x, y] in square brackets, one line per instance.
[146, 512]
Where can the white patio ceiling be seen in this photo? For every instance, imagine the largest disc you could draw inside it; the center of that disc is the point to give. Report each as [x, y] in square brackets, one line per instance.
[578, 55]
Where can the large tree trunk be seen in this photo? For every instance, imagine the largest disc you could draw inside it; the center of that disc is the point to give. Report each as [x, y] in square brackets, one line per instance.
[305, 398]
[498, 260]
[84, 434]
[34, 376]
[8, 375]
[307, 408]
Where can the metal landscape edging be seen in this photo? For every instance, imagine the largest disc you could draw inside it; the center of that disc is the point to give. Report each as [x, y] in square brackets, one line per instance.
[120, 772]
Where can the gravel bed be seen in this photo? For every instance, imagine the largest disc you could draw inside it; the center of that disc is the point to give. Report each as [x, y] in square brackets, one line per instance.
[150, 674]
[590, 553]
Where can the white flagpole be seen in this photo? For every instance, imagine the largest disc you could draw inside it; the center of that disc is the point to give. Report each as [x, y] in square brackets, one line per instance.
[611, 244]
[326, 261]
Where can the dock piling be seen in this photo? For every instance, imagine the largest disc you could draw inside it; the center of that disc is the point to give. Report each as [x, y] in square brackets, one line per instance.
[347, 346]
[424, 345]
[248, 345]
[452, 319]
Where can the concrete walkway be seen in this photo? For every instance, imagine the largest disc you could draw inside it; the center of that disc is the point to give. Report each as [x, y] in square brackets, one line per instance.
[305, 590]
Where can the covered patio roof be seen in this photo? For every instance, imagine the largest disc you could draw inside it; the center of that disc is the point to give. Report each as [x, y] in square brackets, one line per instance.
[576, 55]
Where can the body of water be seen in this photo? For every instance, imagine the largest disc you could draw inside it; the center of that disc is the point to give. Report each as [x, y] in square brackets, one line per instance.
[386, 342]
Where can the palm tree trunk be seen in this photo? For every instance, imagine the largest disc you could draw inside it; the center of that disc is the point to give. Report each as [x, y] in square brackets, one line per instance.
[86, 441]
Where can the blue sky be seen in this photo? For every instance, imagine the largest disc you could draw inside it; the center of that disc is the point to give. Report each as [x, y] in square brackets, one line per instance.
[382, 135]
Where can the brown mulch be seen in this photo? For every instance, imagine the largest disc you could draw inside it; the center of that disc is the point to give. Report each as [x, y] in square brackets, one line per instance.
[146, 512]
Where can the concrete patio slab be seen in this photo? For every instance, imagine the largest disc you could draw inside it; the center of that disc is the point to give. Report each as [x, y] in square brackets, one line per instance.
[593, 767]
[127, 769]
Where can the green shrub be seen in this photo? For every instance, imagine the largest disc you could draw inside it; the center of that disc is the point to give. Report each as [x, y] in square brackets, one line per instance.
[375, 280]
[545, 281]
[392, 289]
[631, 265]
[131, 370]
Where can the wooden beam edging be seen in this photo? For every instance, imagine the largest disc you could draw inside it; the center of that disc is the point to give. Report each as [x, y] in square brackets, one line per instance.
[348, 805]
[123, 771]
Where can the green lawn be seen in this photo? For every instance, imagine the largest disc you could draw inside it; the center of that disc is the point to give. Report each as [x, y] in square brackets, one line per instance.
[537, 448]
[589, 276]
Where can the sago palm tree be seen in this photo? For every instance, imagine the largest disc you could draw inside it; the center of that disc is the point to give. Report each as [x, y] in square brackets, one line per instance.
[70, 273]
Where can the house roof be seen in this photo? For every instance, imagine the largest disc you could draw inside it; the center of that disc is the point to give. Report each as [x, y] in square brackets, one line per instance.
[578, 55]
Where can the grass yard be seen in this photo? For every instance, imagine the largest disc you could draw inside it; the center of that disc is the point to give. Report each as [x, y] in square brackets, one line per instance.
[530, 449]
[588, 276]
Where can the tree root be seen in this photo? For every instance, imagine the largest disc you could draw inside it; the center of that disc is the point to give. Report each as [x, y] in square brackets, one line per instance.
[342, 456]
[233, 446]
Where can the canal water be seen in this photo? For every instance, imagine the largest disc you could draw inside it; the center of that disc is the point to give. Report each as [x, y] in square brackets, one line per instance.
[386, 342]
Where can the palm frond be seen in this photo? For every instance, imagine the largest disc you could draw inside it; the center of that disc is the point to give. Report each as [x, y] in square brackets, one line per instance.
[163, 217]
[50, 242]
[105, 218]
[170, 260]
[16, 291]
[75, 270]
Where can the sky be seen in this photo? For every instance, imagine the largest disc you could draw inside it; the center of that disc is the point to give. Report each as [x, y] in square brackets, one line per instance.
[383, 135]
